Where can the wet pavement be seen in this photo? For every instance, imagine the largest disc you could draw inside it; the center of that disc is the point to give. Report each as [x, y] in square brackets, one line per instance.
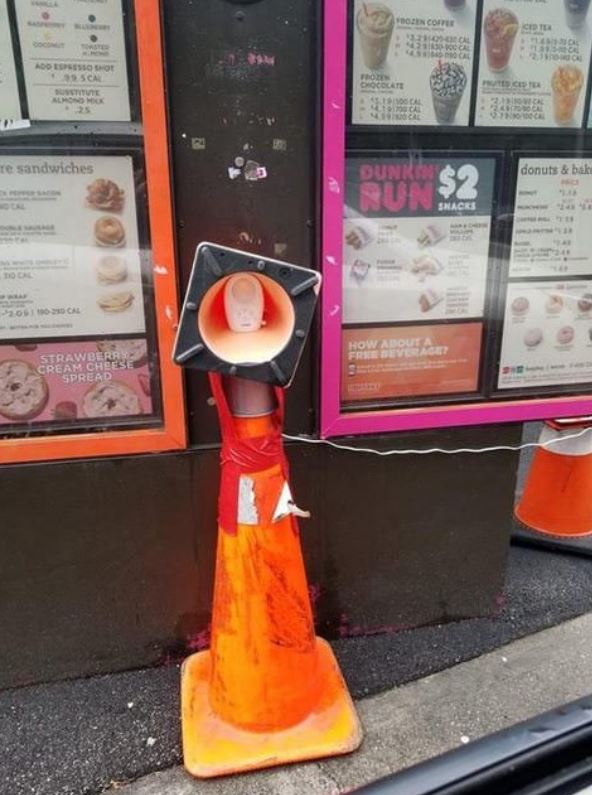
[83, 736]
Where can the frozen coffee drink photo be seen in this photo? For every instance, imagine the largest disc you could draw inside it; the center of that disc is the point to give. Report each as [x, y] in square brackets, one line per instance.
[375, 23]
[454, 4]
[448, 82]
[500, 29]
[567, 82]
[576, 12]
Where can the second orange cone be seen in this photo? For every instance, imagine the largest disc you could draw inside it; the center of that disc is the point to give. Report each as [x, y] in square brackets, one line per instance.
[557, 498]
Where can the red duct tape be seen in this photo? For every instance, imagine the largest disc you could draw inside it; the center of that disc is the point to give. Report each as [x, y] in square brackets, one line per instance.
[249, 456]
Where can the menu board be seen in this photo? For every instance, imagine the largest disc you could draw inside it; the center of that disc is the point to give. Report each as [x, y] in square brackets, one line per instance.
[404, 361]
[74, 59]
[534, 63]
[10, 106]
[552, 233]
[74, 381]
[412, 64]
[547, 335]
[69, 248]
[416, 238]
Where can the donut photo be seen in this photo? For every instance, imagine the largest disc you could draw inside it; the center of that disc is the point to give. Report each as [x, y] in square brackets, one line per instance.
[23, 391]
[533, 337]
[554, 304]
[109, 232]
[520, 305]
[111, 399]
[565, 335]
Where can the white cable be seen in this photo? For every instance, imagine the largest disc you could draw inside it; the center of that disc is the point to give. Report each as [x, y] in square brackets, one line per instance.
[429, 451]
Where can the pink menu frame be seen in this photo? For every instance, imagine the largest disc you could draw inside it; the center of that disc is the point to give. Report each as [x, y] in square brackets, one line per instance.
[333, 421]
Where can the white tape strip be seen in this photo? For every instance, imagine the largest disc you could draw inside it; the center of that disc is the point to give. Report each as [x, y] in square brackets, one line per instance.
[14, 124]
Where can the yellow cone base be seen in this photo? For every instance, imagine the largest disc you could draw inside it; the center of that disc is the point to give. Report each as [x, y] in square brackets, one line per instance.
[212, 747]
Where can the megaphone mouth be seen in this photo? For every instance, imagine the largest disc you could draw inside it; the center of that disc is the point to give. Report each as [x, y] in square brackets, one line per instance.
[247, 347]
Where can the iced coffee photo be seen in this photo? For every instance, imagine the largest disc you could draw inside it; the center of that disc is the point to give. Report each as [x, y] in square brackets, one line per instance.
[576, 12]
[447, 82]
[375, 23]
[500, 29]
[567, 82]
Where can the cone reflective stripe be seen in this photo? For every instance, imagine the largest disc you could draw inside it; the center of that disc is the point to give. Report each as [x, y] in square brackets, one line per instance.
[557, 498]
[268, 691]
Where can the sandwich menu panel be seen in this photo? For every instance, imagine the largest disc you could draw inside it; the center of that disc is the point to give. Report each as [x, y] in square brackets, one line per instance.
[78, 340]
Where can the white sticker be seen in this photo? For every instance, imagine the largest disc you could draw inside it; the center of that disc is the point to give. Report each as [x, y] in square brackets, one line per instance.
[14, 124]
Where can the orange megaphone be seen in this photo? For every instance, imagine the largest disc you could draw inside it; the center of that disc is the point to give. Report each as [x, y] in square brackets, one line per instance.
[283, 296]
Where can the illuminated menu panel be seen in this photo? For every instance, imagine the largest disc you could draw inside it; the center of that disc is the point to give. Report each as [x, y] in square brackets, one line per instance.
[534, 63]
[413, 62]
[74, 60]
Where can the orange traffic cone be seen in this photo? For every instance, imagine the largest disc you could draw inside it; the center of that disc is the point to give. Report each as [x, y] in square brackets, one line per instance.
[268, 691]
[557, 499]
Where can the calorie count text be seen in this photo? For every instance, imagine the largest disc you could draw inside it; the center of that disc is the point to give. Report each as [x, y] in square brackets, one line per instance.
[31, 312]
[425, 45]
[88, 72]
[390, 109]
[511, 108]
[551, 48]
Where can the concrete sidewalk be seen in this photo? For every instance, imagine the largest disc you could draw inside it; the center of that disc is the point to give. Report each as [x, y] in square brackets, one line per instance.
[425, 718]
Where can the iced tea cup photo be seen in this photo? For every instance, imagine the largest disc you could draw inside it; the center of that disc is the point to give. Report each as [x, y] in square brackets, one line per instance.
[576, 12]
[567, 82]
[375, 23]
[500, 28]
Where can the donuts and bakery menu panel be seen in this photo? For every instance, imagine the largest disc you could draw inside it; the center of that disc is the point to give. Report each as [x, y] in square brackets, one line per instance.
[547, 334]
[547, 326]
[534, 63]
[69, 247]
[552, 232]
[413, 62]
[10, 106]
[74, 59]
[70, 382]
[416, 237]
